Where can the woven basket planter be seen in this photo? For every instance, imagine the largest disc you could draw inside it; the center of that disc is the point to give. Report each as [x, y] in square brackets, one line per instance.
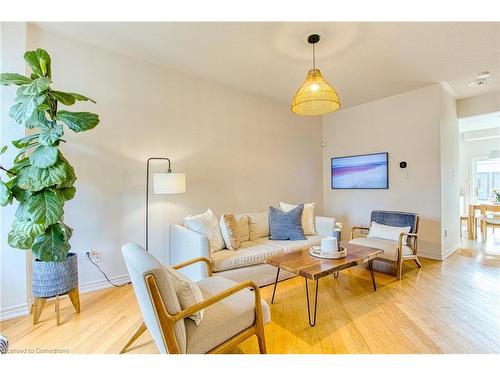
[55, 278]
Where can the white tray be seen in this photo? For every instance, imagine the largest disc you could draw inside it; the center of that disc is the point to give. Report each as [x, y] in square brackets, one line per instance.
[315, 251]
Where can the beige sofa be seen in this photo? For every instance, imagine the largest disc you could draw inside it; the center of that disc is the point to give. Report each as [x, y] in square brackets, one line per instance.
[246, 263]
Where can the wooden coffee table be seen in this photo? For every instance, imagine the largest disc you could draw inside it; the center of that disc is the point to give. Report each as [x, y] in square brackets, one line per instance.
[303, 264]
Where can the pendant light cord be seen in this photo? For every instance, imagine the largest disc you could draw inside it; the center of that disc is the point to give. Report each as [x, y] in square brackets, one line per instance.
[314, 56]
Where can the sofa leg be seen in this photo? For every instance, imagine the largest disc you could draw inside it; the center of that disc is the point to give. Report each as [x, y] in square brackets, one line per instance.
[417, 261]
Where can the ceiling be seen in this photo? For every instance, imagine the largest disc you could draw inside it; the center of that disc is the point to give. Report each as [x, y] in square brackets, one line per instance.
[364, 61]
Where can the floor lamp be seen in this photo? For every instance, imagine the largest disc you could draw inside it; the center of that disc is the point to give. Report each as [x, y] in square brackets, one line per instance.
[163, 183]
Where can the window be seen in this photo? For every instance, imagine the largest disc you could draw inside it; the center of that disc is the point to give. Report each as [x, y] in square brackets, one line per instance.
[487, 179]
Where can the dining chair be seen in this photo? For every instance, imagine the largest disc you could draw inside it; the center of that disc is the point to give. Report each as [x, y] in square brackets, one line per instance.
[489, 218]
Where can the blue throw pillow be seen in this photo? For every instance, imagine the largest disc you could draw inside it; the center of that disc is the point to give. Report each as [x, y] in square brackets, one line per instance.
[286, 225]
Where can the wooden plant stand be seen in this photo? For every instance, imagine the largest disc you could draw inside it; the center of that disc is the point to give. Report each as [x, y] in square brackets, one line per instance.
[39, 304]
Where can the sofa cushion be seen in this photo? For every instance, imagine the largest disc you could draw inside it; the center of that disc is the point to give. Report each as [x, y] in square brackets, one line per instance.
[208, 225]
[230, 231]
[223, 319]
[249, 253]
[286, 225]
[390, 247]
[258, 223]
[242, 221]
[291, 245]
[307, 216]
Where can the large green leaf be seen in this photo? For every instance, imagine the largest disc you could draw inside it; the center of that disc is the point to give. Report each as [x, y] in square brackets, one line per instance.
[36, 120]
[13, 79]
[51, 134]
[35, 179]
[64, 97]
[5, 194]
[52, 246]
[24, 232]
[25, 106]
[39, 62]
[25, 141]
[22, 211]
[70, 174]
[37, 86]
[19, 165]
[78, 121]
[44, 156]
[80, 97]
[45, 207]
[67, 193]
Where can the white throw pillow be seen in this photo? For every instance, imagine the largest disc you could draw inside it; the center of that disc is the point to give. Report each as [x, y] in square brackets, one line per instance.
[307, 216]
[258, 224]
[208, 225]
[242, 221]
[387, 232]
[188, 293]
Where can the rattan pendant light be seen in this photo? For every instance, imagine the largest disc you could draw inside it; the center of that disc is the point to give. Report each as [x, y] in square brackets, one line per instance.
[316, 96]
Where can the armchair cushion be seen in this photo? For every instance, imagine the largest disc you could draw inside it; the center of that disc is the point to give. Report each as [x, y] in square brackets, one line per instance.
[395, 219]
[387, 232]
[390, 247]
[188, 293]
[224, 319]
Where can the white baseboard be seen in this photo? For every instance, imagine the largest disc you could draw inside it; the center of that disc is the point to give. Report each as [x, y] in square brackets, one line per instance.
[442, 256]
[428, 255]
[15, 311]
[450, 251]
[91, 286]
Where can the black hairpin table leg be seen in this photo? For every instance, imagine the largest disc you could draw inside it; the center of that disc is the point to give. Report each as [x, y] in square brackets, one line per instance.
[313, 322]
[275, 285]
[372, 274]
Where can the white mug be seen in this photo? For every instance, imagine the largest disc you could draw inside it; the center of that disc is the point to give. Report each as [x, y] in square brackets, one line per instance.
[329, 245]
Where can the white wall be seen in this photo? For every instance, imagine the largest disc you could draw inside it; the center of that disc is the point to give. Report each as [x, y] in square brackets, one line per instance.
[450, 185]
[240, 152]
[408, 127]
[478, 105]
[14, 263]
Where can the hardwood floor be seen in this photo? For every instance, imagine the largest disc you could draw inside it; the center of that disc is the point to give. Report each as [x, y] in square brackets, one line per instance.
[445, 307]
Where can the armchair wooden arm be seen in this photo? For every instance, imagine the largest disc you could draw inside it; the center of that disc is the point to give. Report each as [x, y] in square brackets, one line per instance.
[414, 236]
[354, 229]
[196, 260]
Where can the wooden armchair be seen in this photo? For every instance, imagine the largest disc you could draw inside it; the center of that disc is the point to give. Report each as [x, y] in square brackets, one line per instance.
[225, 324]
[394, 252]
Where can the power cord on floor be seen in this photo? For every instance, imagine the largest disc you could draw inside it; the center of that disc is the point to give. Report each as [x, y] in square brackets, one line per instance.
[99, 268]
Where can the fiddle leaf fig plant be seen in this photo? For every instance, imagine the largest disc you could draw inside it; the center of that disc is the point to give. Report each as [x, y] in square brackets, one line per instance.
[41, 179]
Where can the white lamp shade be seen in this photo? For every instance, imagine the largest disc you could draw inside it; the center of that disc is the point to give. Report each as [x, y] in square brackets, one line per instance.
[169, 183]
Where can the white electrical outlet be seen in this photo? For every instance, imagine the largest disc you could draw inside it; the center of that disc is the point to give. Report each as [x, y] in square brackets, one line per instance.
[95, 256]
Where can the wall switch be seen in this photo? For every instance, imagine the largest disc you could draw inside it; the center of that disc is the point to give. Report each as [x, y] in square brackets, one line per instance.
[95, 256]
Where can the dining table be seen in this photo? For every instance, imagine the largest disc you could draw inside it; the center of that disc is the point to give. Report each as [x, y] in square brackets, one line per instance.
[471, 221]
